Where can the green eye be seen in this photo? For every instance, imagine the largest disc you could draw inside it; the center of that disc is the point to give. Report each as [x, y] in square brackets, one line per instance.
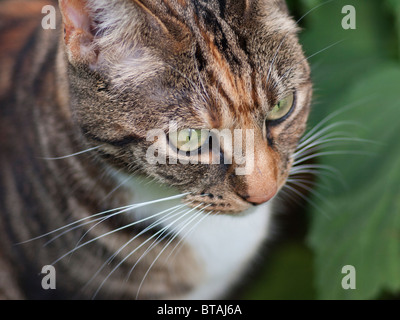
[282, 108]
[188, 140]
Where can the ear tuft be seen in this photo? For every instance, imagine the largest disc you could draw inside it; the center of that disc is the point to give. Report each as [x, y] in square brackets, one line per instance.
[78, 36]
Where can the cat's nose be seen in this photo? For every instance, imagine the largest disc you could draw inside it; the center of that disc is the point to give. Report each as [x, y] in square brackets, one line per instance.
[259, 183]
[259, 199]
[262, 184]
[258, 194]
[259, 190]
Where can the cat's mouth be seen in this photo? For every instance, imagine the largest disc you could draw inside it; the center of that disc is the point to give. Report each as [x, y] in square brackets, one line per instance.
[163, 197]
[217, 203]
[222, 201]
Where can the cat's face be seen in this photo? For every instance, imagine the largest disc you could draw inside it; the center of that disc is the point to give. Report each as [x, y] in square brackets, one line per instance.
[184, 66]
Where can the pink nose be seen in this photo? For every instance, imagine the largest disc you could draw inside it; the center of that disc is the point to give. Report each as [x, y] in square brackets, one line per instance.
[259, 198]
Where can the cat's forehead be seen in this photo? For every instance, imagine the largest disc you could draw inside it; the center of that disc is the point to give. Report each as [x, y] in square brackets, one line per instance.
[222, 63]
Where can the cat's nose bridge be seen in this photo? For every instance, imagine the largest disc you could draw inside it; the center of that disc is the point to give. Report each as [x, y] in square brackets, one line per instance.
[262, 184]
[261, 178]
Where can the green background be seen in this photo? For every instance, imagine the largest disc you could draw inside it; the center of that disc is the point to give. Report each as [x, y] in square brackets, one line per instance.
[352, 217]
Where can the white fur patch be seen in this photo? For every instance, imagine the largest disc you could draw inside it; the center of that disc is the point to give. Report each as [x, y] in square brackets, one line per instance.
[225, 245]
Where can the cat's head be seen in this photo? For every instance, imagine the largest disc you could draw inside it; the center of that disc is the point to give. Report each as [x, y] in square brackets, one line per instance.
[177, 67]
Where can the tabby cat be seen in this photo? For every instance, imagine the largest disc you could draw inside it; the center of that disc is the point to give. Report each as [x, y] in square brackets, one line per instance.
[78, 190]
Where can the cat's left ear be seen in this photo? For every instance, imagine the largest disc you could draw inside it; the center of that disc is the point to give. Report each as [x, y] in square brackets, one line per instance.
[78, 32]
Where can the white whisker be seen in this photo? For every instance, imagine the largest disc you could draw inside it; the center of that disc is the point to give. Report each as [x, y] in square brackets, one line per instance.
[116, 188]
[287, 34]
[135, 222]
[157, 241]
[72, 155]
[154, 224]
[133, 251]
[309, 189]
[319, 145]
[122, 210]
[104, 235]
[164, 248]
[329, 153]
[317, 167]
[335, 114]
[313, 135]
[305, 198]
[174, 230]
[305, 59]
[187, 234]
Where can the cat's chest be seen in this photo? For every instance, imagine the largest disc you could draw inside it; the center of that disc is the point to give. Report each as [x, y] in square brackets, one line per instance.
[222, 244]
[226, 246]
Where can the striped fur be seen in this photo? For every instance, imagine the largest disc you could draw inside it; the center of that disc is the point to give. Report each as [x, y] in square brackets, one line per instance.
[139, 65]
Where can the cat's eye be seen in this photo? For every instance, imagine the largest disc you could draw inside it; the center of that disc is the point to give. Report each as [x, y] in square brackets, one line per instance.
[282, 108]
[188, 140]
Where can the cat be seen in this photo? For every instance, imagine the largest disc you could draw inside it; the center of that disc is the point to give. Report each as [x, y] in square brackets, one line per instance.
[78, 190]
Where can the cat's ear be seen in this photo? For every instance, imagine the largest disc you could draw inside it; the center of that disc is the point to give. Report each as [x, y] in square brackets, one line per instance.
[78, 32]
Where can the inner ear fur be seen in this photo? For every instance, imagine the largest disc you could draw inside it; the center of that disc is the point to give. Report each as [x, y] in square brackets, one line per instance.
[78, 34]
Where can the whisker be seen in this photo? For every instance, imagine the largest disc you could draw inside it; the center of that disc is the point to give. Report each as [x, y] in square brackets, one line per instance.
[72, 155]
[130, 225]
[191, 219]
[154, 224]
[319, 173]
[116, 188]
[287, 34]
[305, 59]
[329, 140]
[187, 234]
[298, 193]
[321, 136]
[119, 264]
[130, 208]
[307, 139]
[104, 235]
[154, 261]
[133, 251]
[286, 195]
[309, 189]
[319, 145]
[304, 167]
[312, 9]
[305, 181]
[157, 241]
[122, 210]
[327, 153]
[335, 114]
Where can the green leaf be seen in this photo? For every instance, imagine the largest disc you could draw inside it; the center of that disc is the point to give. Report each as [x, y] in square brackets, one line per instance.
[361, 227]
[340, 57]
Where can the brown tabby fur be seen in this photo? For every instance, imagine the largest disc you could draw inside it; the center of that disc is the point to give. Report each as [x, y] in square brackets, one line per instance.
[203, 64]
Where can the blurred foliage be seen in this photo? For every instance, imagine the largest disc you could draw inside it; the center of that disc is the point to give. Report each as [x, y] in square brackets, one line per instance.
[356, 74]
[363, 224]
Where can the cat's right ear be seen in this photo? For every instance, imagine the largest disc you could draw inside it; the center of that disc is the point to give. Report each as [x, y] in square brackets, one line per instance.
[78, 32]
